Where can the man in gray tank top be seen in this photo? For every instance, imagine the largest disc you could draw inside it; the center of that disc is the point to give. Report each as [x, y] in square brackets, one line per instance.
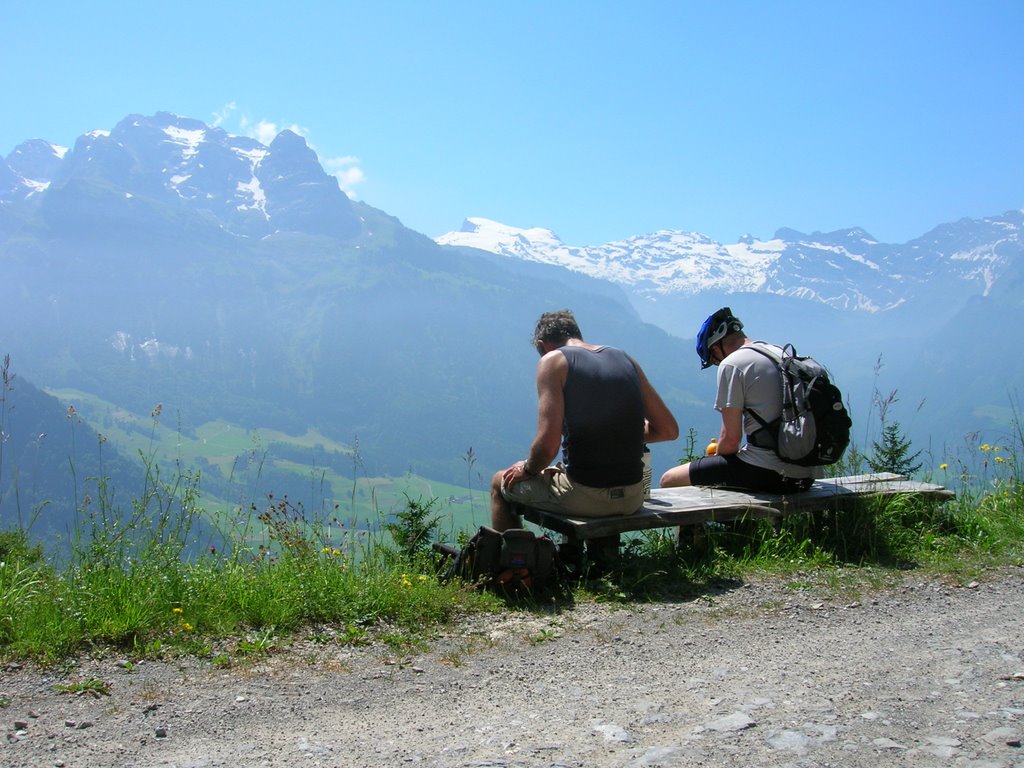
[597, 405]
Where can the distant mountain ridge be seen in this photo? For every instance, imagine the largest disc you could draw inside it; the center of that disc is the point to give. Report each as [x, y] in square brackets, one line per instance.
[847, 269]
[248, 189]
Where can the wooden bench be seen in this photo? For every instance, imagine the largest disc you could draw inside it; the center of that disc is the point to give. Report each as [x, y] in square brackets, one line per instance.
[691, 508]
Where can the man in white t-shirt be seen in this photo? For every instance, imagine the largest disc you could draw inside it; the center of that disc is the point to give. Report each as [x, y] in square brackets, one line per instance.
[747, 379]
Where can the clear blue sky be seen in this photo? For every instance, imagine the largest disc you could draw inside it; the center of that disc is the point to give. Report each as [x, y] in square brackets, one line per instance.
[598, 120]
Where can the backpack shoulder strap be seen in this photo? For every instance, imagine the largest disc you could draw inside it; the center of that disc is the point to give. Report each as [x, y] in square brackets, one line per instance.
[767, 351]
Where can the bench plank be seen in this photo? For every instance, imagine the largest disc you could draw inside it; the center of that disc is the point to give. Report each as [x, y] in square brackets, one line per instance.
[693, 505]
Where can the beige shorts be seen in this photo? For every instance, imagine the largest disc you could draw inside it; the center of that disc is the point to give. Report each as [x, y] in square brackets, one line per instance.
[553, 491]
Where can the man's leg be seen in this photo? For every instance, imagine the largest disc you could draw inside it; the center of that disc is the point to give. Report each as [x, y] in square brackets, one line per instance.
[676, 477]
[730, 471]
[502, 517]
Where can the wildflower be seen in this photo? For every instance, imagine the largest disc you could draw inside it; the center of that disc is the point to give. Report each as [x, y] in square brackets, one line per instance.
[177, 610]
[422, 577]
[186, 626]
[985, 447]
[999, 459]
[943, 466]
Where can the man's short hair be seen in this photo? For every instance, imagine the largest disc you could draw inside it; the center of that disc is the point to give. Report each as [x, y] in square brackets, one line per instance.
[557, 327]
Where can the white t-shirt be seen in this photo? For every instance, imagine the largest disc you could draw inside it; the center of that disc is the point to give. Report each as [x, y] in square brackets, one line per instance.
[748, 379]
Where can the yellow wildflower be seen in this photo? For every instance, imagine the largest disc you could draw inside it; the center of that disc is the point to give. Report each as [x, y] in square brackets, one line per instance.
[943, 466]
[176, 610]
[186, 626]
[985, 447]
[1000, 459]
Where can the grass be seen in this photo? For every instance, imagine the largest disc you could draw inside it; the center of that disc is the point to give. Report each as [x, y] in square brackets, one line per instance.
[142, 609]
[92, 686]
[136, 584]
[133, 586]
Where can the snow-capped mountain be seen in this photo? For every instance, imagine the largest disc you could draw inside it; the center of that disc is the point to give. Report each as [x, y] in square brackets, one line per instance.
[847, 269]
[29, 168]
[242, 185]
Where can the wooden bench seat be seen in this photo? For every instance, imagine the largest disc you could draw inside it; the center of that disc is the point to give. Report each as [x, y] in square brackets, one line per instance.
[695, 506]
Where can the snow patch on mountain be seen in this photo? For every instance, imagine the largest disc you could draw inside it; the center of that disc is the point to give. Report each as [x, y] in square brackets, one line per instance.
[35, 186]
[253, 190]
[663, 262]
[188, 139]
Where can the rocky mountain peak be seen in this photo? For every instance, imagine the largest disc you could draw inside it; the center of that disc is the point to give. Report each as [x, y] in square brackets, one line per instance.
[180, 163]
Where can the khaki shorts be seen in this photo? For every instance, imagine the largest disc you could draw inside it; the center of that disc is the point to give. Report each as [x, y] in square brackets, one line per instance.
[553, 491]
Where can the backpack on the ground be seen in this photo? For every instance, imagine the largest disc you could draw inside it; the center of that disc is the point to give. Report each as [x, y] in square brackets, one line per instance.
[511, 561]
[814, 428]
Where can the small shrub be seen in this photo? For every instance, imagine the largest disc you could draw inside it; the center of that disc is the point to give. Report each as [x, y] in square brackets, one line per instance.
[415, 528]
[892, 452]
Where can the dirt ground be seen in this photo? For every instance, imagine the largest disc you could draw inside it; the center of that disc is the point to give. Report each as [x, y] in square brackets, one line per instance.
[924, 673]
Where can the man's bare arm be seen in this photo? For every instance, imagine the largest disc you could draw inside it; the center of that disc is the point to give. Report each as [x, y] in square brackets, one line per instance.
[731, 438]
[552, 371]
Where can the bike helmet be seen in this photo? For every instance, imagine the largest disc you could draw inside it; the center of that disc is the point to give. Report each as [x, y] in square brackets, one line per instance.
[715, 328]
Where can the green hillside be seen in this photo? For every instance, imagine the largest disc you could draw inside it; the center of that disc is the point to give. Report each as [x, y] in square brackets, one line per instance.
[244, 466]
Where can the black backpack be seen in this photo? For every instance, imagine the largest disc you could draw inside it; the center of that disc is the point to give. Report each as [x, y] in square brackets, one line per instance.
[513, 561]
[814, 428]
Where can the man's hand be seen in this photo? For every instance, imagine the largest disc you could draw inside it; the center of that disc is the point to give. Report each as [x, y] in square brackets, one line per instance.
[514, 474]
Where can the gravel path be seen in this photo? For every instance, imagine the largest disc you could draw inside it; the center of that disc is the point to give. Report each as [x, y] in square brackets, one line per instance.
[924, 674]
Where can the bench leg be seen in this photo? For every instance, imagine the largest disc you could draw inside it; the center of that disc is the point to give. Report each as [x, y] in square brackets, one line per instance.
[570, 553]
[603, 551]
[694, 536]
[601, 554]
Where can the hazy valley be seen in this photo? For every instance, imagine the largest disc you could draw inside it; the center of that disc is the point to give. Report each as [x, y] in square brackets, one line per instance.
[168, 262]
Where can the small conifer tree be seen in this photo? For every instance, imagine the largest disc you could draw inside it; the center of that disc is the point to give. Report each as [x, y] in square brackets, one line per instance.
[415, 527]
[892, 452]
